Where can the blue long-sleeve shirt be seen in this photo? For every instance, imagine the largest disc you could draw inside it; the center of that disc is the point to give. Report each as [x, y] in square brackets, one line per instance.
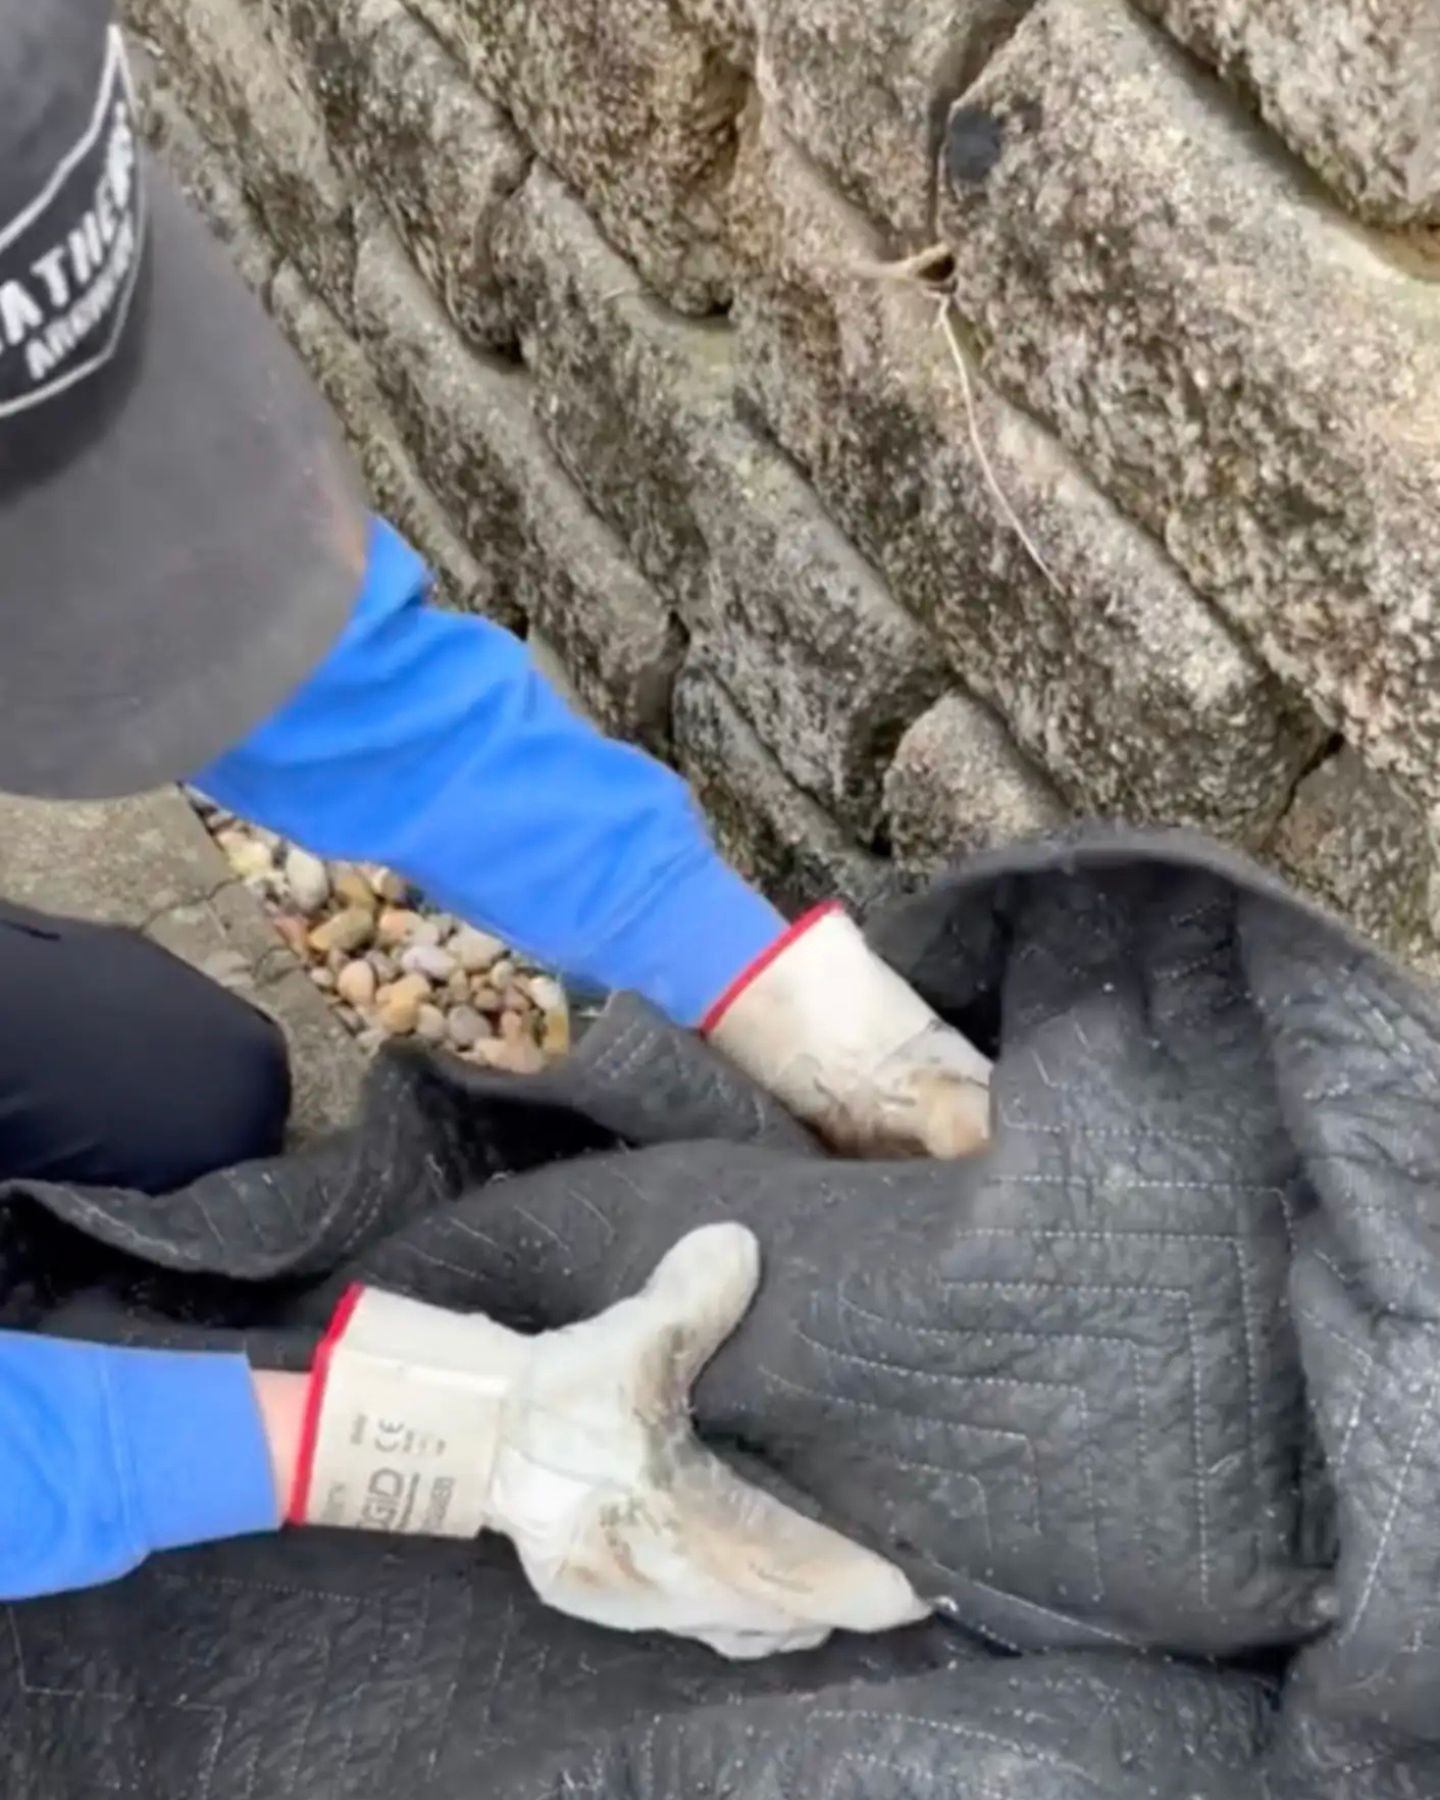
[428, 742]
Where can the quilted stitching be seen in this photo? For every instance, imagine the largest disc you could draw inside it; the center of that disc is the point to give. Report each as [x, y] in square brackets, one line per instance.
[1117, 1387]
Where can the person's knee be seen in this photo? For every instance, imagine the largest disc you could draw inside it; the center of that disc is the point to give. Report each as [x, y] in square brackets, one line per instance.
[123, 1066]
[229, 1088]
[246, 1091]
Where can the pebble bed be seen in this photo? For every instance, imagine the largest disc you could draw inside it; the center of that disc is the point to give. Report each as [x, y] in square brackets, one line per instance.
[392, 966]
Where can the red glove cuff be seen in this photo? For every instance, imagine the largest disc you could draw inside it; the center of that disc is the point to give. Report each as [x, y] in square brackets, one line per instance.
[762, 962]
[298, 1508]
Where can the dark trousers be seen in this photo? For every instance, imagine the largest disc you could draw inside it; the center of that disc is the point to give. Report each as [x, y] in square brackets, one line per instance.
[122, 1066]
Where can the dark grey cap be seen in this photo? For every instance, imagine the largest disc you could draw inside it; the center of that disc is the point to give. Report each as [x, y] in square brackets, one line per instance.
[181, 533]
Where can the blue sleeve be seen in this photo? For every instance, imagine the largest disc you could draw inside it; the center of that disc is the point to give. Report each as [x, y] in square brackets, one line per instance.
[107, 1455]
[429, 742]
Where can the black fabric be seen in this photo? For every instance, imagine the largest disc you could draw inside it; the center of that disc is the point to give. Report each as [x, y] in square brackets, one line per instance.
[120, 1064]
[1143, 1399]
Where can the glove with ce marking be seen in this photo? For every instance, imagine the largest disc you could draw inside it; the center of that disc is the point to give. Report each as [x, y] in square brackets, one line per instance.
[833, 1032]
[578, 1446]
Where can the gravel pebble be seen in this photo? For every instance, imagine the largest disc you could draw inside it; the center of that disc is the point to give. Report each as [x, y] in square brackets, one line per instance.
[389, 887]
[466, 1027]
[475, 951]
[251, 860]
[520, 1057]
[398, 1006]
[353, 889]
[307, 878]
[294, 931]
[356, 984]
[350, 929]
[430, 1024]
[395, 925]
[392, 966]
[426, 959]
[547, 994]
[555, 1036]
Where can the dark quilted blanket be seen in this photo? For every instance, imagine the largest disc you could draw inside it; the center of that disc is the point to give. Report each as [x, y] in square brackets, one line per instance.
[1144, 1399]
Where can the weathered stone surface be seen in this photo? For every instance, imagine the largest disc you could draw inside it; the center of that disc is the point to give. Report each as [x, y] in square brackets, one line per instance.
[958, 785]
[635, 107]
[399, 493]
[1351, 85]
[1208, 359]
[1237, 369]
[249, 100]
[865, 88]
[767, 827]
[472, 428]
[830, 667]
[1111, 673]
[439, 156]
[1353, 839]
[727, 24]
[201, 176]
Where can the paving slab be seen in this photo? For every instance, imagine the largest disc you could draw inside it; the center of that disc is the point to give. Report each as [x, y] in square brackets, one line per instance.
[149, 863]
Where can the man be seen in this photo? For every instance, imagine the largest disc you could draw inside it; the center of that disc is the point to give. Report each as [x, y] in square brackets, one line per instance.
[191, 588]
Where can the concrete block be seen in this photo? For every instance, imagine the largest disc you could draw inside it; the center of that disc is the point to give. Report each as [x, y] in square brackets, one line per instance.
[768, 828]
[1350, 85]
[633, 105]
[831, 667]
[397, 490]
[864, 90]
[201, 175]
[1045, 601]
[437, 154]
[244, 89]
[474, 435]
[1241, 371]
[959, 785]
[1354, 840]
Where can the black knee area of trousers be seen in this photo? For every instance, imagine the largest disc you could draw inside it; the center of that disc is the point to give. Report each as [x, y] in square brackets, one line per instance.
[122, 1066]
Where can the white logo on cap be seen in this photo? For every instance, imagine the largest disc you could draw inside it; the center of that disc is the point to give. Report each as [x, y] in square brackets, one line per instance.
[68, 262]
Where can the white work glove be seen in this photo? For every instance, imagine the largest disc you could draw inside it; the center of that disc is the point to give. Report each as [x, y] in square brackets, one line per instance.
[578, 1446]
[833, 1032]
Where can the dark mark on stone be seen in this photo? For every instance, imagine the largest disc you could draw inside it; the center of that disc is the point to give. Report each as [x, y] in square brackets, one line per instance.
[973, 142]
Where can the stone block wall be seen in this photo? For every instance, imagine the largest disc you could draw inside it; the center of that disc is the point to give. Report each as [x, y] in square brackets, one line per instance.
[919, 422]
